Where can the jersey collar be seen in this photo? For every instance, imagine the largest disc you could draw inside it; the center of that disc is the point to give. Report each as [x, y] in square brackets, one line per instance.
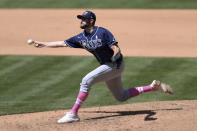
[91, 34]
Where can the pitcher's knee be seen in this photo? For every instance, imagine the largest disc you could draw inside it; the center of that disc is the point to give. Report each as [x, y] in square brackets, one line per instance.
[86, 84]
[123, 96]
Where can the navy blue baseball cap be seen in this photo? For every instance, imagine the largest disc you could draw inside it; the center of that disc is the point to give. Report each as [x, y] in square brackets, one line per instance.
[87, 15]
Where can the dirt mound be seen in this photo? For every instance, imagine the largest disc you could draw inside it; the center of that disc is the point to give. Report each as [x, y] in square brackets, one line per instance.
[151, 116]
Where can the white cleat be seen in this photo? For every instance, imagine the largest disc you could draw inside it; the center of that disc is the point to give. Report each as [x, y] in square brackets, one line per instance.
[162, 87]
[68, 118]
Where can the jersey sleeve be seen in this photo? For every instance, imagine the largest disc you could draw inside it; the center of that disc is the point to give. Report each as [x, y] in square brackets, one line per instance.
[110, 40]
[73, 42]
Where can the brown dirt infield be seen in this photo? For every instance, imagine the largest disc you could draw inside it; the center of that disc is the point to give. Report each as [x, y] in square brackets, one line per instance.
[154, 116]
[168, 33]
[139, 32]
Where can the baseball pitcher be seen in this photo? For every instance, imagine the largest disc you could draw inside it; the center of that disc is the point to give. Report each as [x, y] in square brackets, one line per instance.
[102, 44]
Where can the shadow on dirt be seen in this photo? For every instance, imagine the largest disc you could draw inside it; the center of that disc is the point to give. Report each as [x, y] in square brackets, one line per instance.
[148, 117]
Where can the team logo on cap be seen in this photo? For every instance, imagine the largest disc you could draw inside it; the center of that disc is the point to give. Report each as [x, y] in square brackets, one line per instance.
[85, 13]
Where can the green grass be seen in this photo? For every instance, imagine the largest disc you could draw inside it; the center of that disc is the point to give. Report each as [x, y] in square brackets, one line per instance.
[138, 4]
[41, 83]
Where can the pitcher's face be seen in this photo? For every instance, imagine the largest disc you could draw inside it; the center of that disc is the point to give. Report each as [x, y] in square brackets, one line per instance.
[85, 23]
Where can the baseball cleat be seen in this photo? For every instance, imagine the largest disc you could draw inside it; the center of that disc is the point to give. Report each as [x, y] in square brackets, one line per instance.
[162, 87]
[68, 118]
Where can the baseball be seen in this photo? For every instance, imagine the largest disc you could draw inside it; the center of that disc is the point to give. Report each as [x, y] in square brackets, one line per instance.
[30, 42]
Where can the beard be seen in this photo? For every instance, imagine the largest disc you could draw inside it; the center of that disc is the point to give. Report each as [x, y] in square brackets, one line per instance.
[87, 25]
[83, 26]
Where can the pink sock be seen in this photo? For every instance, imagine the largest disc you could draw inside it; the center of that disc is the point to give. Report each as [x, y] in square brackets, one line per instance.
[138, 90]
[80, 99]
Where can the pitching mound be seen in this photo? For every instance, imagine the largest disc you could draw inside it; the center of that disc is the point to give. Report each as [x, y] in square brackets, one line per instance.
[157, 116]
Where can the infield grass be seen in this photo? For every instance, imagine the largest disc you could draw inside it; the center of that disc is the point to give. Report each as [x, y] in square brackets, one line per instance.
[122, 4]
[42, 83]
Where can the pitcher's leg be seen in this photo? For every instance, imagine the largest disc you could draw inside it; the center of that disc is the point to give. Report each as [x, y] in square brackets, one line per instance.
[82, 96]
[102, 73]
[116, 87]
